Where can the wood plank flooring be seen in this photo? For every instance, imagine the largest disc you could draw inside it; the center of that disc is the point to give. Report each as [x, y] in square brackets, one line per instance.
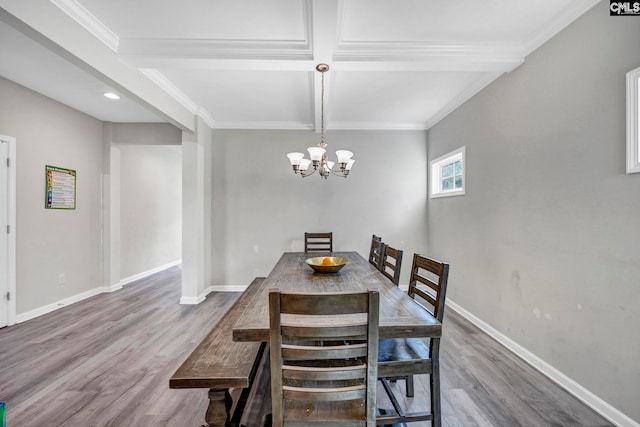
[106, 361]
[484, 384]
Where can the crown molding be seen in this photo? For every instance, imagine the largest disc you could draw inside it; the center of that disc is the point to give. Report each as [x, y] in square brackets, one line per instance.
[558, 23]
[391, 50]
[307, 19]
[206, 118]
[427, 56]
[463, 97]
[435, 64]
[88, 21]
[375, 126]
[165, 84]
[216, 49]
[257, 125]
[149, 61]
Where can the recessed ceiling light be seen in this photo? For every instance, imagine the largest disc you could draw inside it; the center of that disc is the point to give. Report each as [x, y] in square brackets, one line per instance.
[111, 95]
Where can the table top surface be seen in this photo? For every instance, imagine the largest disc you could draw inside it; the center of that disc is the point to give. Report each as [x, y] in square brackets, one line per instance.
[400, 316]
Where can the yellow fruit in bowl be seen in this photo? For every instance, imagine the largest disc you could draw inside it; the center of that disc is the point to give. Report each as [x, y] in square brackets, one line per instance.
[326, 261]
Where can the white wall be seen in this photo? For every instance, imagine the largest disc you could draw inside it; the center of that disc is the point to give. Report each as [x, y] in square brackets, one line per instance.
[545, 246]
[150, 207]
[267, 208]
[53, 242]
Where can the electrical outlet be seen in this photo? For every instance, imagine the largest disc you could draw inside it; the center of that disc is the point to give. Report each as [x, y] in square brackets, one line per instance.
[61, 279]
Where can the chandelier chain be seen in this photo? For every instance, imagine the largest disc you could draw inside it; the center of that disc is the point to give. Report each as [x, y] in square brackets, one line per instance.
[322, 109]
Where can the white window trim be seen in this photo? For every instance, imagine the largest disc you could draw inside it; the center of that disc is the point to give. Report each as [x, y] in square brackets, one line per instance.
[436, 173]
[633, 111]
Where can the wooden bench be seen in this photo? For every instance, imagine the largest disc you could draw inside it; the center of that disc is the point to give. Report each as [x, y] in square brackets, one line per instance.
[226, 367]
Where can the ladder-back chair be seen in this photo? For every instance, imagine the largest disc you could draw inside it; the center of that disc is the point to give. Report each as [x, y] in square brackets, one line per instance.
[391, 263]
[403, 357]
[375, 252]
[318, 242]
[313, 382]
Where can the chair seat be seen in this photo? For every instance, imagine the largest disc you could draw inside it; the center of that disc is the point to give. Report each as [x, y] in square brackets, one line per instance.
[403, 356]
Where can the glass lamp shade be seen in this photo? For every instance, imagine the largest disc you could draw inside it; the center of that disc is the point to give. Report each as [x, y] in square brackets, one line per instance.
[349, 164]
[316, 153]
[295, 158]
[330, 165]
[304, 164]
[344, 156]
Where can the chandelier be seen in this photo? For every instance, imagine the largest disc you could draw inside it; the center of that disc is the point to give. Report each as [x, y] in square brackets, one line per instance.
[319, 161]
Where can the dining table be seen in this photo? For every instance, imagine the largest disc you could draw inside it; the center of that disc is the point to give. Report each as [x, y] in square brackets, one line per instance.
[400, 315]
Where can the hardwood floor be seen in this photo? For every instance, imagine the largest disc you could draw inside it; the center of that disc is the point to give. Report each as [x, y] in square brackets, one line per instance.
[106, 361]
[484, 384]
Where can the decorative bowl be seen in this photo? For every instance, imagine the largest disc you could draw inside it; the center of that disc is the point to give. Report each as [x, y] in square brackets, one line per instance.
[326, 264]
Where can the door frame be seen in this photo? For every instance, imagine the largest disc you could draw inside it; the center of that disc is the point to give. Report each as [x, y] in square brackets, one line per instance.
[11, 195]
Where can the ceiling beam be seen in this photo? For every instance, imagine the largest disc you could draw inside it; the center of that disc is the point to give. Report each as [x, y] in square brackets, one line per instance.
[179, 49]
[323, 32]
[475, 63]
[53, 28]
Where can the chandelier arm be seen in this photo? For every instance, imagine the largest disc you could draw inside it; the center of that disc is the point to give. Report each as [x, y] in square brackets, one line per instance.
[340, 174]
[304, 175]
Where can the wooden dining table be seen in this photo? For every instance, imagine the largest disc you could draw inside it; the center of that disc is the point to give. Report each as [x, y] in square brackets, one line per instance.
[400, 316]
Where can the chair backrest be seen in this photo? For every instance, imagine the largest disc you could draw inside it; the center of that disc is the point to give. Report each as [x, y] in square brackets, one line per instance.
[429, 282]
[391, 263]
[323, 357]
[375, 253]
[318, 242]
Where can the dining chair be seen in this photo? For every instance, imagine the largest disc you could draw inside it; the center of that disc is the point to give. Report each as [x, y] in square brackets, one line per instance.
[375, 252]
[391, 263]
[403, 357]
[318, 242]
[315, 383]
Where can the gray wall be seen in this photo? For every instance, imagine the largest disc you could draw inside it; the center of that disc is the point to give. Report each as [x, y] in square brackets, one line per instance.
[150, 212]
[266, 209]
[51, 242]
[545, 245]
[146, 134]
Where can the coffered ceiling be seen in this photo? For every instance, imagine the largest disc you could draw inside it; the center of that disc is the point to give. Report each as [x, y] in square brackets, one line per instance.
[395, 64]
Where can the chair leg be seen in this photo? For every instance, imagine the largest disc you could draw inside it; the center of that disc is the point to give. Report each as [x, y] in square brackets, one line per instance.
[409, 385]
[266, 420]
[434, 382]
[435, 397]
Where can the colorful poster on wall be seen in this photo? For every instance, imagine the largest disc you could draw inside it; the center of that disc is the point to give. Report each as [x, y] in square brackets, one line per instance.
[61, 188]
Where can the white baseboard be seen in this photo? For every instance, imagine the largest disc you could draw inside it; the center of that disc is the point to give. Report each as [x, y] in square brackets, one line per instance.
[228, 288]
[192, 300]
[218, 288]
[144, 274]
[115, 287]
[23, 317]
[597, 404]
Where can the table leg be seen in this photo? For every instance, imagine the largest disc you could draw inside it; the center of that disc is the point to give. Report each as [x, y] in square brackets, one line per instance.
[218, 412]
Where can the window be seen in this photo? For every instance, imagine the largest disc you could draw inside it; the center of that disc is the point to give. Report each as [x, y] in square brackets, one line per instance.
[633, 118]
[447, 174]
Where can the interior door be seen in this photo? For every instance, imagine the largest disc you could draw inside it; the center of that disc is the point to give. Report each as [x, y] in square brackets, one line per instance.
[4, 238]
